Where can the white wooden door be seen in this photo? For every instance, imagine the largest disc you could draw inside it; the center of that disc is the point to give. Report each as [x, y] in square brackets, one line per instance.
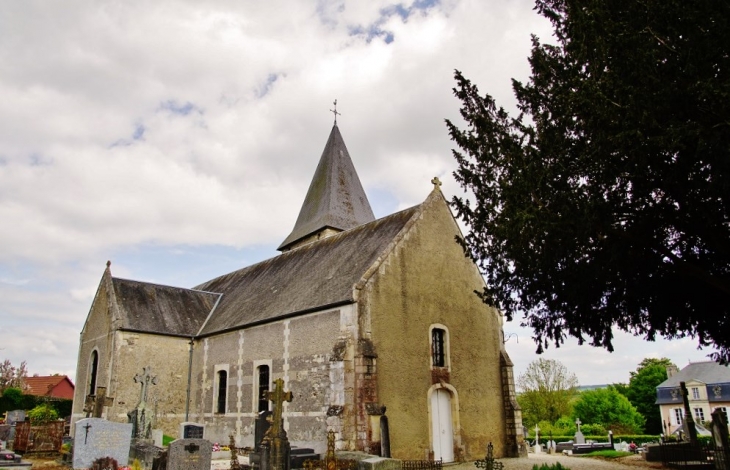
[443, 433]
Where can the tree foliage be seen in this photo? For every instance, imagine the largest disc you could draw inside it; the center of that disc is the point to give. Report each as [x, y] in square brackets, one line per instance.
[641, 391]
[606, 201]
[11, 376]
[610, 409]
[546, 389]
[43, 413]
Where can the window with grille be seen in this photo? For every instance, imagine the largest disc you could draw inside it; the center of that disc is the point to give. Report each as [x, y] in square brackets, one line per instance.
[263, 387]
[438, 355]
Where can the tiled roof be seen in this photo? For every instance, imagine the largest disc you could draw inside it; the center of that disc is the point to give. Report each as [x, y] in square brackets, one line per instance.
[160, 309]
[707, 372]
[43, 385]
[316, 275]
[335, 198]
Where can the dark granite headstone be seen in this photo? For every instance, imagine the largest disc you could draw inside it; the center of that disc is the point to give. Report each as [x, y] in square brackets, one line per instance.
[189, 454]
[261, 425]
[192, 431]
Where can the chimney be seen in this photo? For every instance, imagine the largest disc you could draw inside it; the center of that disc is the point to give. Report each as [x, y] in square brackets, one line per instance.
[671, 370]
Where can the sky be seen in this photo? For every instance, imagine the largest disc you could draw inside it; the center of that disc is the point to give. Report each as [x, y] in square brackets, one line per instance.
[177, 139]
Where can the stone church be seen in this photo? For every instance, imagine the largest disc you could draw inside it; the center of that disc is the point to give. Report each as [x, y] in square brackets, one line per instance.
[359, 316]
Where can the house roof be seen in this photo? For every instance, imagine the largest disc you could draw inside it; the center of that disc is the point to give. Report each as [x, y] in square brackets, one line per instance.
[160, 309]
[319, 274]
[335, 198]
[44, 385]
[707, 372]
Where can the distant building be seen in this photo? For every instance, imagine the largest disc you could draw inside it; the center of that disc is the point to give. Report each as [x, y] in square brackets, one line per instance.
[55, 386]
[708, 388]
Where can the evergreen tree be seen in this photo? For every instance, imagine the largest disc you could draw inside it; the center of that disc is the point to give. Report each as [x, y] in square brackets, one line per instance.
[606, 202]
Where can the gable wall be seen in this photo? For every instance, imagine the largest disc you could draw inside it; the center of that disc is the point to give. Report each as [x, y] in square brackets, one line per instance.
[97, 335]
[311, 353]
[426, 281]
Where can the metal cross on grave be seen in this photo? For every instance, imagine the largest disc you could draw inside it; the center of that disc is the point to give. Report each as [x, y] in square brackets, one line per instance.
[86, 436]
[489, 463]
[330, 461]
[278, 396]
[146, 378]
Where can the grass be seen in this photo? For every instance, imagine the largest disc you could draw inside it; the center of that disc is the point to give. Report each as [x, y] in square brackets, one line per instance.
[555, 466]
[607, 454]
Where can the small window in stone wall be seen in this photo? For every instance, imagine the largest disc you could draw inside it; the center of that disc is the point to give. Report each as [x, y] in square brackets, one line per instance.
[263, 402]
[94, 369]
[222, 390]
[438, 354]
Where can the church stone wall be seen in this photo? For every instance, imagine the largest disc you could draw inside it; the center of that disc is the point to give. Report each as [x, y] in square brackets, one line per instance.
[427, 281]
[298, 350]
[166, 359]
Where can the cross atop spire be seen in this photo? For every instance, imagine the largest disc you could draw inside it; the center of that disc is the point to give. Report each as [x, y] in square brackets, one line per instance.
[334, 111]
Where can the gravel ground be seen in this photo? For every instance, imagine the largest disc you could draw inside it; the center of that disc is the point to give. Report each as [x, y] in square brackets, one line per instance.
[569, 462]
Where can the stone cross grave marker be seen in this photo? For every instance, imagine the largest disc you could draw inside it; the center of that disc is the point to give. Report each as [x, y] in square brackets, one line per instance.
[145, 378]
[275, 447]
[189, 454]
[96, 438]
[538, 449]
[95, 404]
[579, 438]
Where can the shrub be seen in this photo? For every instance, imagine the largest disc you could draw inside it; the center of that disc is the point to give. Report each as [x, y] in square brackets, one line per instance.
[42, 413]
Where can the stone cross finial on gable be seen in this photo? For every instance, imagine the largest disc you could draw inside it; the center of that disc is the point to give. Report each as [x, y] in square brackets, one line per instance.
[436, 182]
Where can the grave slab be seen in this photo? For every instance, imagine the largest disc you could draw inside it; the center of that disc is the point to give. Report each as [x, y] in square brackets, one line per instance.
[379, 463]
[95, 438]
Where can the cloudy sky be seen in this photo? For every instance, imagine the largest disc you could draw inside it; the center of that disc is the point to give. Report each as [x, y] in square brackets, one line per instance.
[177, 139]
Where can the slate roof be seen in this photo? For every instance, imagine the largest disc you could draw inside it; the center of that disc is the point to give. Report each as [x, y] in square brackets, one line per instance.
[313, 276]
[707, 372]
[153, 308]
[43, 385]
[335, 197]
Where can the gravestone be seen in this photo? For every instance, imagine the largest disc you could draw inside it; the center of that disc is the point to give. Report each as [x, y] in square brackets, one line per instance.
[96, 438]
[579, 438]
[261, 425]
[275, 450]
[537, 448]
[14, 416]
[157, 437]
[141, 417]
[189, 454]
[95, 404]
[190, 430]
[720, 438]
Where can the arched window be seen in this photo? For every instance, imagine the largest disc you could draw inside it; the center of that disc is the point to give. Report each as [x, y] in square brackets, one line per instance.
[222, 389]
[94, 368]
[263, 387]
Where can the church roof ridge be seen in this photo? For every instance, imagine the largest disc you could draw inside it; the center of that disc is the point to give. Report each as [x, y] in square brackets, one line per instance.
[335, 198]
[308, 278]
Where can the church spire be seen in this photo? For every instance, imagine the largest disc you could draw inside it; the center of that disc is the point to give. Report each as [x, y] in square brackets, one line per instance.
[335, 201]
